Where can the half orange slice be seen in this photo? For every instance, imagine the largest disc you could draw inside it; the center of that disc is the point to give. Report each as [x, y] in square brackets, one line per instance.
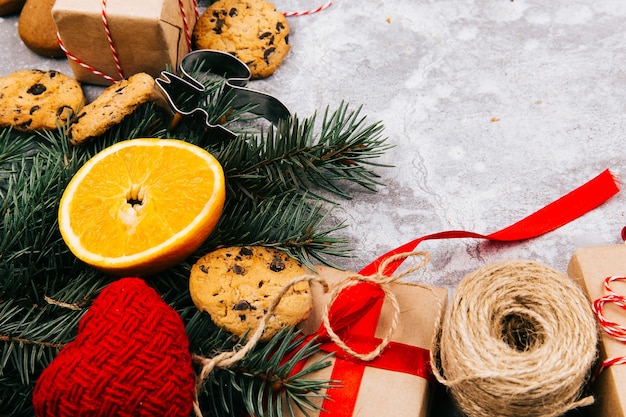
[142, 205]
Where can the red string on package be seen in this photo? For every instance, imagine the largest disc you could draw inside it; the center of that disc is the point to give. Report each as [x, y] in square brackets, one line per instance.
[308, 12]
[615, 330]
[105, 24]
[83, 64]
[186, 25]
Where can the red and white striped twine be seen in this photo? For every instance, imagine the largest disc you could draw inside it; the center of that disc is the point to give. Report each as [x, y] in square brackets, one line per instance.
[83, 64]
[105, 24]
[613, 329]
[118, 66]
[308, 12]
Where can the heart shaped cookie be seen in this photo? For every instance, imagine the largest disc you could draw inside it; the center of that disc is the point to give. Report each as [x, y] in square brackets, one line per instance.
[130, 358]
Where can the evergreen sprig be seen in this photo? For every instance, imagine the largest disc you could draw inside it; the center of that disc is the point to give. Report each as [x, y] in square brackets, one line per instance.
[281, 185]
[293, 156]
[268, 381]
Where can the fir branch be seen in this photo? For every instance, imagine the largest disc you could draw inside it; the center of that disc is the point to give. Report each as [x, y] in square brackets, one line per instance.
[291, 157]
[289, 222]
[265, 381]
[14, 145]
[30, 245]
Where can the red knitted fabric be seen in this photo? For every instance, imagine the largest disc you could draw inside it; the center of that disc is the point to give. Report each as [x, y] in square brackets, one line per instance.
[130, 358]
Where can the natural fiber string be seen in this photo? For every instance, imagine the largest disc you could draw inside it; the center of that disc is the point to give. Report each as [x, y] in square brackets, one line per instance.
[518, 339]
[229, 358]
[613, 329]
[118, 66]
[383, 281]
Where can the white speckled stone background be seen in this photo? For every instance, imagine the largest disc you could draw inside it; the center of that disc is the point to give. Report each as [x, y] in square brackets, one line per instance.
[495, 109]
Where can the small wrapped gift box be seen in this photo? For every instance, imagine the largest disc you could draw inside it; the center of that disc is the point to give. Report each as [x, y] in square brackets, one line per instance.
[108, 41]
[591, 267]
[397, 382]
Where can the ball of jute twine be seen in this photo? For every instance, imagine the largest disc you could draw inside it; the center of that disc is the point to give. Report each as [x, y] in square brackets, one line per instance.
[518, 339]
[229, 358]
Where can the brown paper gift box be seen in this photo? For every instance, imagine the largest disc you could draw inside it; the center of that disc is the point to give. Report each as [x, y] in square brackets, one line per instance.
[590, 267]
[148, 36]
[385, 392]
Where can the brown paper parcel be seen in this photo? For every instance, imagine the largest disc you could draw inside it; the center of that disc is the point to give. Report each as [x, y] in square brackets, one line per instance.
[148, 36]
[383, 392]
[590, 267]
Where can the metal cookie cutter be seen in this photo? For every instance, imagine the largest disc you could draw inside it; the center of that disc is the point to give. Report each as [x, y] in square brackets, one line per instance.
[179, 90]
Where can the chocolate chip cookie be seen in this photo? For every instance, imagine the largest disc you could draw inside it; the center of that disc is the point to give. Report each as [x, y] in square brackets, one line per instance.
[237, 285]
[251, 30]
[111, 107]
[36, 99]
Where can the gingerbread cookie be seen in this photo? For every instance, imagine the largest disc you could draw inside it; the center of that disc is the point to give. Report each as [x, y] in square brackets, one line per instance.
[251, 30]
[237, 285]
[37, 28]
[36, 99]
[110, 107]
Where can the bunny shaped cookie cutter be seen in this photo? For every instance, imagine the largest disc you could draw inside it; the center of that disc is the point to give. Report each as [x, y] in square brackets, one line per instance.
[180, 90]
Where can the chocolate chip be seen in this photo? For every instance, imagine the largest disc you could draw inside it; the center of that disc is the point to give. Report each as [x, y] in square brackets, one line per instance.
[279, 27]
[34, 109]
[245, 251]
[267, 53]
[36, 89]
[80, 116]
[53, 74]
[25, 125]
[277, 264]
[232, 12]
[219, 24]
[265, 35]
[61, 110]
[204, 269]
[243, 305]
[261, 283]
[238, 269]
[242, 317]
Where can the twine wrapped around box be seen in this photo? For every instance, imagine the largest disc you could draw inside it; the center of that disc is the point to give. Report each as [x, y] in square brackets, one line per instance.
[519, 338]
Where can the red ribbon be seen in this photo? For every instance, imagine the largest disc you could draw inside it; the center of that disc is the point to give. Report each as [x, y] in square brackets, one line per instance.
[355, 313]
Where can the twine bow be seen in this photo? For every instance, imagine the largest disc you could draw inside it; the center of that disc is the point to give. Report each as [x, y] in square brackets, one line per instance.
[335, 321]
[330, 318]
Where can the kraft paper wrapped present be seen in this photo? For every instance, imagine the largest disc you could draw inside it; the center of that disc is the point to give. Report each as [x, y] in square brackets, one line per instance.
[398, 382]
[146, 36]
[591, 267]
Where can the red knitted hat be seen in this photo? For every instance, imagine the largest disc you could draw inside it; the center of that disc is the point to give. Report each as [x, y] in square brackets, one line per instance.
[130, 358]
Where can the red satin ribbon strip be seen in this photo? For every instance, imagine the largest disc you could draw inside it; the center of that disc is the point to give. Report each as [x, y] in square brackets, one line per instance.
[398, 357]
[556, 214]
[356, 310]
